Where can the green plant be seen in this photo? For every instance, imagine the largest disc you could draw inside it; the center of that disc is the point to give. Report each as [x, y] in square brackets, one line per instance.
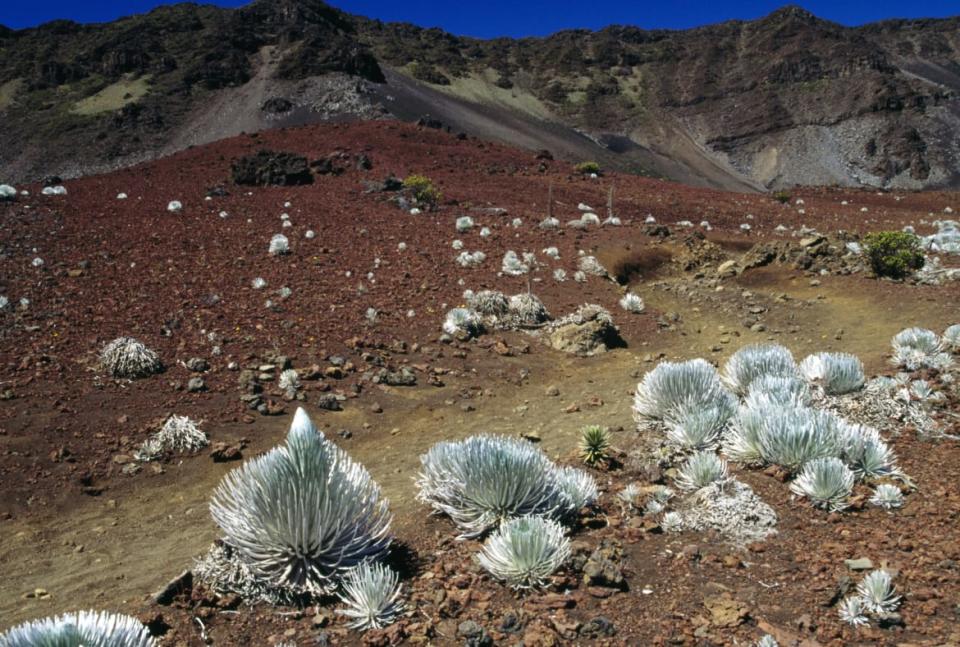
[893, 253]
[587, 168]
[782, 197]
[594, 444]
[423, 189]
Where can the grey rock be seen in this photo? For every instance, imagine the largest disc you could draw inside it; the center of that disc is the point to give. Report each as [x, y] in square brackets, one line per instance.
[329, 402]
[197, 364]
[196, 384]
[861, 564]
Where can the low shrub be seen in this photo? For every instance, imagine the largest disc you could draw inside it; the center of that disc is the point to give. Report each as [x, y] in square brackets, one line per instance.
[783, 197]
[893, 254]
[422, 189]
[587, 168]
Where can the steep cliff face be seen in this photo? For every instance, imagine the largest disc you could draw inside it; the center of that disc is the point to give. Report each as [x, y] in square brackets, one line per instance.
[786, 99]
[783, 100]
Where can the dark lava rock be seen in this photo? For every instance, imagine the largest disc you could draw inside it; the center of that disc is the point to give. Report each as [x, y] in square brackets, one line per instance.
[269, 168]
[197, 364]
[222, 452]
[403, 377]
[277, 105]
[329, 402]
[474, 635]
[329, 165]
[597, 627]
[427, 121]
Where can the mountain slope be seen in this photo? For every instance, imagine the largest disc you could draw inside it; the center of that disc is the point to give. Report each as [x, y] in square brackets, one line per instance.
[787, 99]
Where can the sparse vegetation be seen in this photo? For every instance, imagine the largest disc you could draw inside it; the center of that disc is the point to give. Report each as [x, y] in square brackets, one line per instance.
[594, 444]
[783, 197]
[587, 168]
[893, 254]
[178, 434]
[125, 357]
[423, 190]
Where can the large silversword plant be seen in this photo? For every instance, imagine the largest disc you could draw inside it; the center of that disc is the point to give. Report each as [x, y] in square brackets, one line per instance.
[483, 480]
[303, 514]
[80, 629]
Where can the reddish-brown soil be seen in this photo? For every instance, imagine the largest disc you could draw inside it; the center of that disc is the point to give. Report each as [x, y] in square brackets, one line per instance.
[89, 535]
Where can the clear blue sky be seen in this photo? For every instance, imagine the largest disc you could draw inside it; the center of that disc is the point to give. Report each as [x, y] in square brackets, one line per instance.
[517, 17]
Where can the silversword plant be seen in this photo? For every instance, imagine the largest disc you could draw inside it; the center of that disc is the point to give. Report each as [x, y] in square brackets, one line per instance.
[483, 480]
[671, 388]
[827, 482]
[79, 629]
[279, 245]
[836, 373]
[371, 593]
[753, 362]
[524, 552]
[632, 303]
[700, 470]
[125, 357]
[887, 496]
[303, 514]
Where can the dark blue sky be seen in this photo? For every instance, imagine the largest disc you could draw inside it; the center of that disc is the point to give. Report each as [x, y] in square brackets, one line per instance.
[517, 17]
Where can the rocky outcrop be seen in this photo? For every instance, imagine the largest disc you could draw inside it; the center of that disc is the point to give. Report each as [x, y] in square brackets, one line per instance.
[588, 331]
[269, 168]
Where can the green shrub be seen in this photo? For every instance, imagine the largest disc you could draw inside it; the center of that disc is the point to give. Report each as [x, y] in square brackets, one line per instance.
[586, 168]
[423, 189]
[893, 253]
[782, 197]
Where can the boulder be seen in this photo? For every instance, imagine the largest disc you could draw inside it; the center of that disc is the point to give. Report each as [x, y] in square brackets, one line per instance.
[270, 168]
[588, 331]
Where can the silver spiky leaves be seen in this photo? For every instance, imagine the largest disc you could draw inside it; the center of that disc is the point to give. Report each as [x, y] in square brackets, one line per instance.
[853, 611]
[673, 389]
[868, 454]
[178, 434]
[484, 480]
[875, 596]
[836, 373]
[303, 514]
[877, 592]
[756, 361]
[887, 496]
[827, 482]
[80, 628]
[372, 595]
[700, 470]
[279, 245]
[462, 320]
[525, 551]
[951, 337]
[125, 357]
[917, 348]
